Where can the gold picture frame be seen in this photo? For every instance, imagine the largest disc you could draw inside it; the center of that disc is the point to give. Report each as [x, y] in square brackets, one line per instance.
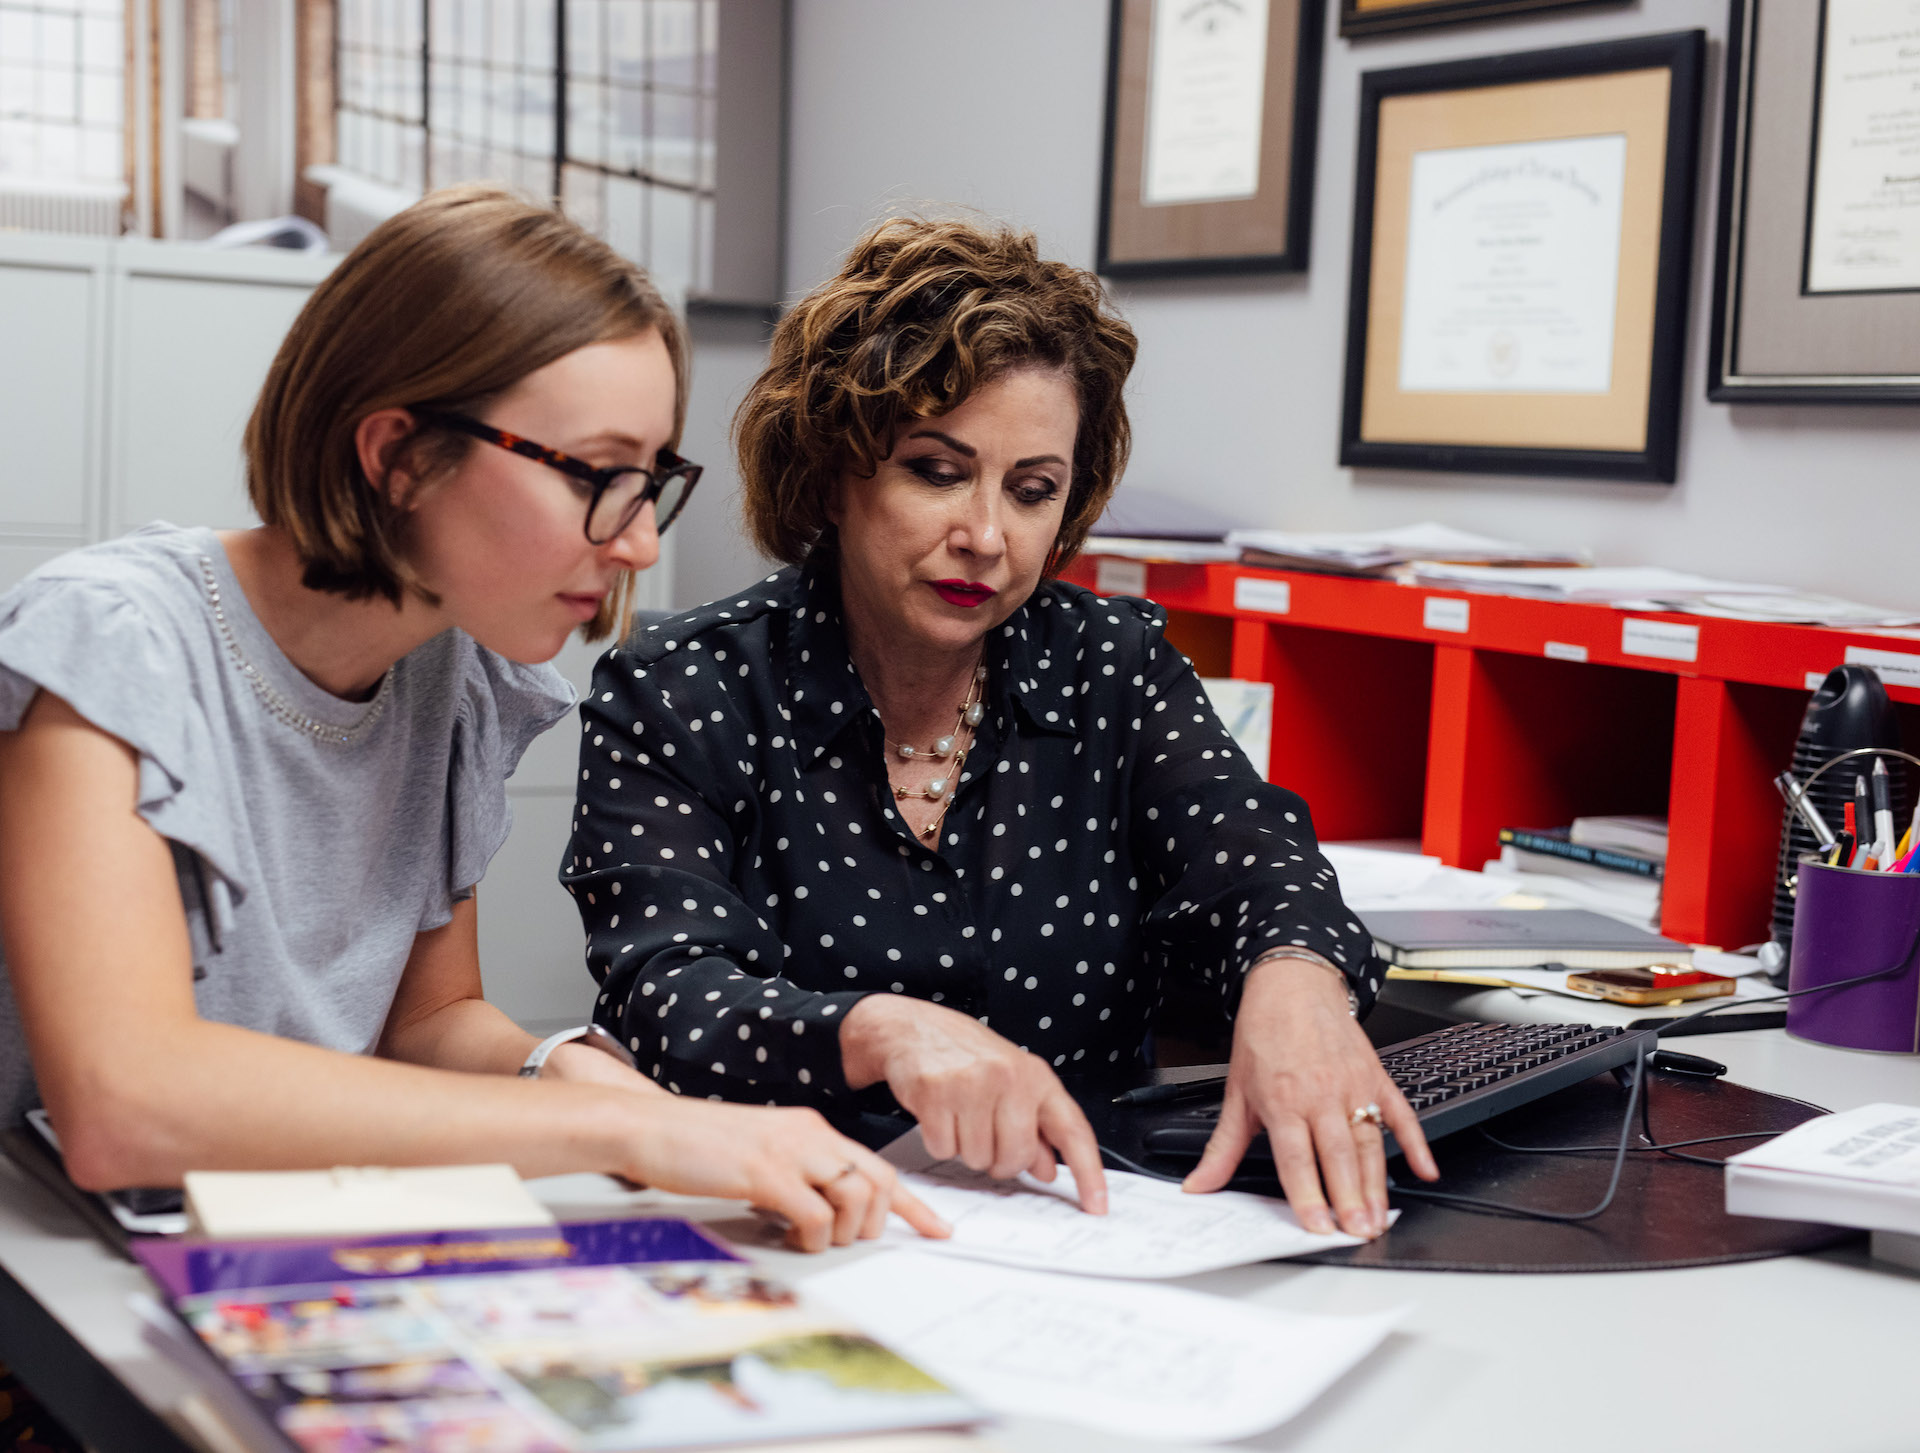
[1549, 336]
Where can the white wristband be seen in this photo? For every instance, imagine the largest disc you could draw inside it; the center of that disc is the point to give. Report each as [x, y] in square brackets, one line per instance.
[591, 1035]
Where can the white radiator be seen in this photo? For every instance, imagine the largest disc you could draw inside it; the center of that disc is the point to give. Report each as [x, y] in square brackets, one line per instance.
[90, 208]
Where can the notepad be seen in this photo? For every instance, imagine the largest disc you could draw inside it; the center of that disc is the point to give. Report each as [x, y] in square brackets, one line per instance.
[1493, 938]
[359, 1201]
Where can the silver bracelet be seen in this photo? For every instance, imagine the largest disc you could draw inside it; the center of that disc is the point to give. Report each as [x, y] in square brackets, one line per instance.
[591, 1035]
[1307, 955]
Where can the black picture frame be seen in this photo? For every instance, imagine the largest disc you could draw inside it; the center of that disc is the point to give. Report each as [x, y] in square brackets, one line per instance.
[1357, 23]
[1731, 377]
[1682, 54]
[1296, 196]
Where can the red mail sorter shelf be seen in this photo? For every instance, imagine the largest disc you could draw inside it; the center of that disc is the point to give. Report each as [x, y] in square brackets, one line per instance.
[1400, 711]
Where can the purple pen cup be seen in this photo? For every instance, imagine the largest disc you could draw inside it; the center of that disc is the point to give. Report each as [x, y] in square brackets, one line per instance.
[1846, 923]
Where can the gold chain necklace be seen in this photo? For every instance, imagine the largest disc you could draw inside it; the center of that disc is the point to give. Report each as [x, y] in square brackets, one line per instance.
[944, 788]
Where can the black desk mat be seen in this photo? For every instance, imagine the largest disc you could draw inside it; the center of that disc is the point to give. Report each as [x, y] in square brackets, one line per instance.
[1668, 1212]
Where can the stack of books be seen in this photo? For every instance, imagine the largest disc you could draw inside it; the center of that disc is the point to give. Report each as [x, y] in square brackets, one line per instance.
[1614, 865]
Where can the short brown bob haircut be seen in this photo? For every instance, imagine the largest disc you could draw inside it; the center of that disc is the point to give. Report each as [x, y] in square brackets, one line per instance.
[447, 305]
[922, 313]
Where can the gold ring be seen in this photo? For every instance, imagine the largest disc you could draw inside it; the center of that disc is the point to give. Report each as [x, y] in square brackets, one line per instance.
[1367, 1114]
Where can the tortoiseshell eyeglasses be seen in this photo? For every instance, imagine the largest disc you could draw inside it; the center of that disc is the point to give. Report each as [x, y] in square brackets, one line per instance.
[619, 492]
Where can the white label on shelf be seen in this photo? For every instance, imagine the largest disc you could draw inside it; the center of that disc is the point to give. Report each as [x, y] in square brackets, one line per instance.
[1668, 640]
[1274, 597]
[1896, 668]
[1814, 678]
[1564, 651]
[1444, 613]
[1113, 576]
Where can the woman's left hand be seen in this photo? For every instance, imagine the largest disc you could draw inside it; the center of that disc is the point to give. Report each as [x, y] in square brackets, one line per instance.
[1301, 1068]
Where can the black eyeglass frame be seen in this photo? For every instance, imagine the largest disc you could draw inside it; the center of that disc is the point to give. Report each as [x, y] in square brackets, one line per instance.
[668, 466]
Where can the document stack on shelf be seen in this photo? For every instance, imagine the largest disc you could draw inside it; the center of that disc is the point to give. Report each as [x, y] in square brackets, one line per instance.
[1649, 587]
[1382, 554]
[1613, 865]
[1142, 524]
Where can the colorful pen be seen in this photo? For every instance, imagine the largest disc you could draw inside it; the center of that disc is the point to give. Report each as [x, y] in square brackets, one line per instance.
[1861, 821]
[1842, 854]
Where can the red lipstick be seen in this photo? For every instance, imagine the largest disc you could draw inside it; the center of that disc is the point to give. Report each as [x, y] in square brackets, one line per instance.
[966, 593]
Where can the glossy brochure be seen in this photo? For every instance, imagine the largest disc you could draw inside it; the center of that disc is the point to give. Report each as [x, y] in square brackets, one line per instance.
[633, 1334]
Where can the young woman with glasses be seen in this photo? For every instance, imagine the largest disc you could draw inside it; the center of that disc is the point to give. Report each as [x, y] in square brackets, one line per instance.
[249, 780]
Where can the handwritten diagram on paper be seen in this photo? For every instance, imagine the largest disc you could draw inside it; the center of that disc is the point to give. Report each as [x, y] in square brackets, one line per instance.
[1147, 1362]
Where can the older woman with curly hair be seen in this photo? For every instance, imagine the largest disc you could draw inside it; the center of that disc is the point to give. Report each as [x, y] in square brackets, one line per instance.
[913, 815]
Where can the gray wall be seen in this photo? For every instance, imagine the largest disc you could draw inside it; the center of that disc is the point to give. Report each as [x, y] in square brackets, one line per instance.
[997, 105]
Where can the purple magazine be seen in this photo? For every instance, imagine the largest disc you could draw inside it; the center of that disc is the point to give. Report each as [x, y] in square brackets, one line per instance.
[186, 1268]
[594, 1337]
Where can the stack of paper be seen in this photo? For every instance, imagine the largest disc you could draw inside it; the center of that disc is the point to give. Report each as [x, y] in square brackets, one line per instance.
[1374, 552]
[1134, 1361]
[1651, 587]
[1858, 1168]
[1060, 1329]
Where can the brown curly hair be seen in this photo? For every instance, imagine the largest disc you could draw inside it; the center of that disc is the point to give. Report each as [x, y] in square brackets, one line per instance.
[922, 313]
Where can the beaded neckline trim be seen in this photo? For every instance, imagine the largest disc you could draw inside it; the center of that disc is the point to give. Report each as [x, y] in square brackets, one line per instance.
[277, 705]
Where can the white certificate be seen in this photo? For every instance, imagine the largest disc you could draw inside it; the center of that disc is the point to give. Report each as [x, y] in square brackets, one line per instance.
[1865, 230]
[1206, 85]
[1513, 264]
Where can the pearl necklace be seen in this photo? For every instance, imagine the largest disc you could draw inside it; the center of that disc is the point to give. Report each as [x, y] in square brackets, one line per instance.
[971, 711]
[277, 705]
[944, 788]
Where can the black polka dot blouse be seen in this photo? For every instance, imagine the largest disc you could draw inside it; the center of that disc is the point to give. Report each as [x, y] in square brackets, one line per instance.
[744, 877]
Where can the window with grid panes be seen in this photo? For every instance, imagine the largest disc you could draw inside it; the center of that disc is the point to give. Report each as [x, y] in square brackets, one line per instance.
[62, 90]
[607, 103]
[380, 104]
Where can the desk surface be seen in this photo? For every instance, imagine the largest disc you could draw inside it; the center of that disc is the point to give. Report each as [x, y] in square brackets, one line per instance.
[1795, 1353]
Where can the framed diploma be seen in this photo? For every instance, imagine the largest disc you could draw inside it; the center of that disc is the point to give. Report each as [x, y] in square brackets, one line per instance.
[1820, 125]
[1522, 232]
[1379, 17]
[1211, 107]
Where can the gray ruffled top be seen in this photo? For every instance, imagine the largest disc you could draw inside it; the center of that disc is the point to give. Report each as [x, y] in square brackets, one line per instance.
[314, 837]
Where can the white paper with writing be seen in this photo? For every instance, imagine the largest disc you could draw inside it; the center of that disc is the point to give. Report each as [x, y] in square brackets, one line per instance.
[1152, 1229]
[1513, 262]
[1206, 90]
[1877, 1143]
[1864, 233]
[1136, 1361]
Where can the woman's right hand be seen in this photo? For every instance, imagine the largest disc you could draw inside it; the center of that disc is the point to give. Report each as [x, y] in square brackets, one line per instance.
[995, 1106]
[789, 1162]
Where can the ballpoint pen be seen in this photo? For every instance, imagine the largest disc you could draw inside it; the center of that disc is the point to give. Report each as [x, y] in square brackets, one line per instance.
[1842, 853]
[1883, 833]
[1160, 1094]
[1796, 797]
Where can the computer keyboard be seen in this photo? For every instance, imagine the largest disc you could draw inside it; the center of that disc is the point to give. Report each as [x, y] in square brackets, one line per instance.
[1453, 1078]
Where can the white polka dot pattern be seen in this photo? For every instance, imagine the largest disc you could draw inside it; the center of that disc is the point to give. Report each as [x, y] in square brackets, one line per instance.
[1108, 839]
